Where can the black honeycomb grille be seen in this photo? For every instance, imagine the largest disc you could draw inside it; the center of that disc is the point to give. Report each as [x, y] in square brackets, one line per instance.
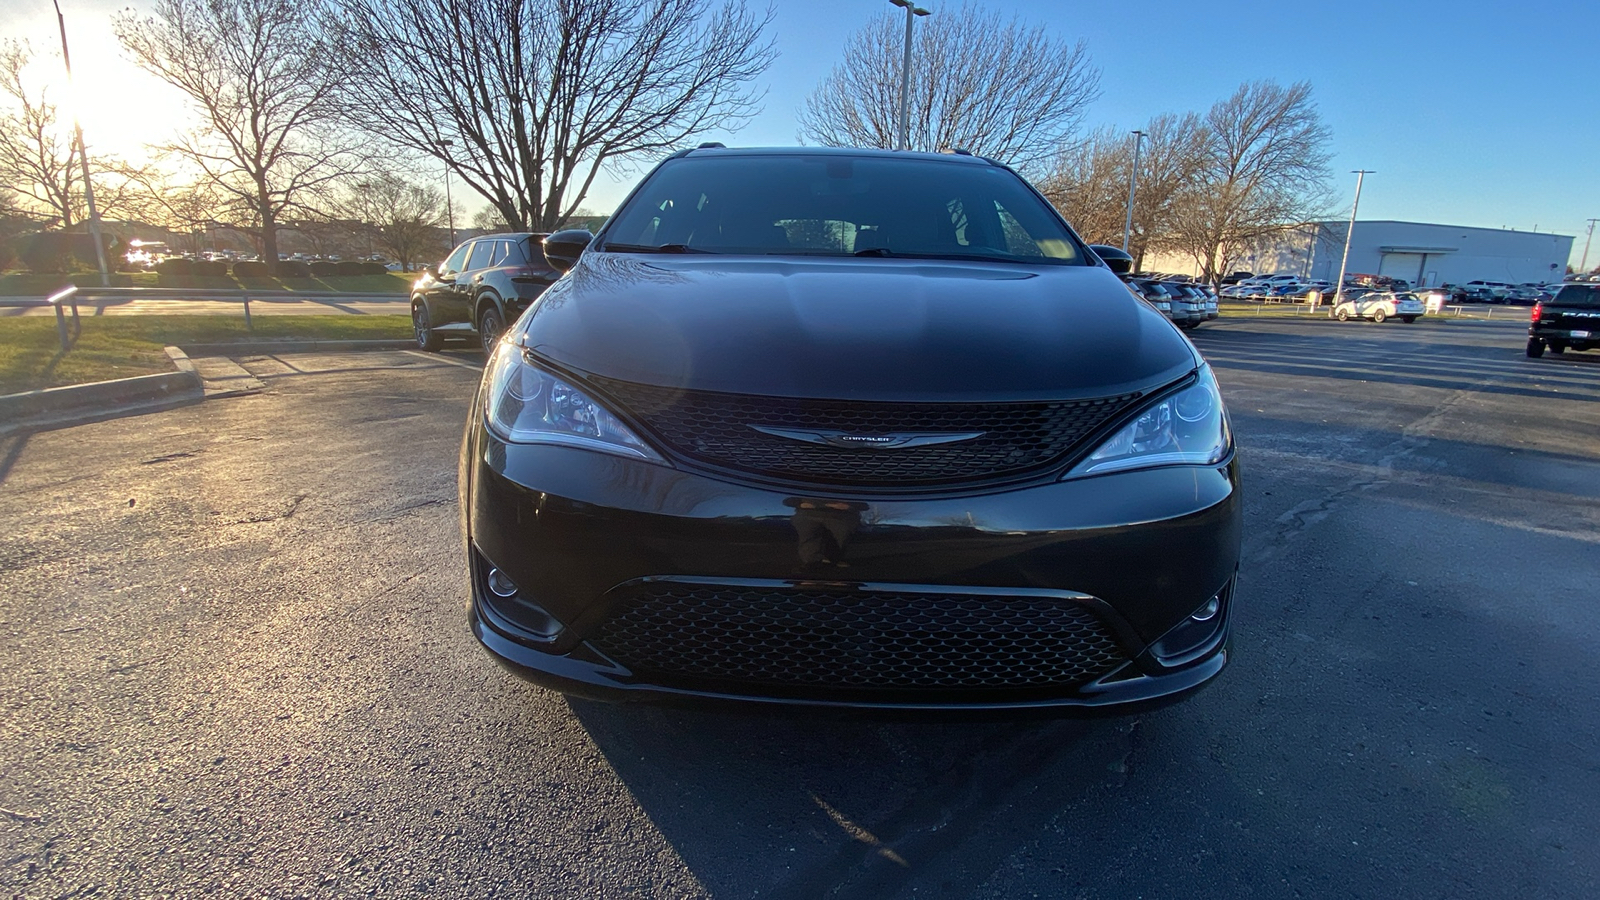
[857, 639]
[715, 428]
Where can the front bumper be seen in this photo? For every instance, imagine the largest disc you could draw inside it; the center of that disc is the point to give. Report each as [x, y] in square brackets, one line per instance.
[581, 532]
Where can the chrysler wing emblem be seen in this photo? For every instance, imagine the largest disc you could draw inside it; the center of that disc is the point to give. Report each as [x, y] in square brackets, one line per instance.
[895, 441]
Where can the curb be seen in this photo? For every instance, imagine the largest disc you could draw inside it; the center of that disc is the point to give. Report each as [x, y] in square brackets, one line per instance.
[242, 348]
[77, 404]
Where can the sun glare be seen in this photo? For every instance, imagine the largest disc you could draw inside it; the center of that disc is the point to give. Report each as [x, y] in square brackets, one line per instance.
[122, 109]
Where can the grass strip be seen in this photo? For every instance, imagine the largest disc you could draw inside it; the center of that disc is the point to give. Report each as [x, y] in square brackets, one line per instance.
[124, 346]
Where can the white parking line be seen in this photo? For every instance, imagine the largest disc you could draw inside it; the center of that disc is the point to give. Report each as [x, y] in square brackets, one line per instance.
[434, 357]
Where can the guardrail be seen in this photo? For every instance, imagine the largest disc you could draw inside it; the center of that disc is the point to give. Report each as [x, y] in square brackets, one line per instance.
[70, 297]
[66, 297]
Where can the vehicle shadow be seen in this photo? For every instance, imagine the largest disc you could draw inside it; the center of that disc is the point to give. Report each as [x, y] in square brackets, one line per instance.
[801, 805]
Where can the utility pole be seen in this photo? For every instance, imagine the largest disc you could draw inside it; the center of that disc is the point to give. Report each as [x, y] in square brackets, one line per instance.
[912, 11]
[83, 157]
[1583, 267]
[1133, 185]
[449, 205]
[1338, 288]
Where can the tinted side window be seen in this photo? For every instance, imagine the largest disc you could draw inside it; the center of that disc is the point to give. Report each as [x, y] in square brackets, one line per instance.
[456, 261]
[1578, 295]
[482, 251]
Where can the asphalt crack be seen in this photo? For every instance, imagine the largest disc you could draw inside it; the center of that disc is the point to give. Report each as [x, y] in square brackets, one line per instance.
[1413, 438]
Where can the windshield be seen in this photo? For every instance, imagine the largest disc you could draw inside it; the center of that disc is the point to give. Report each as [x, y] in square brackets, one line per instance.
[1578, 295]
[841, 206]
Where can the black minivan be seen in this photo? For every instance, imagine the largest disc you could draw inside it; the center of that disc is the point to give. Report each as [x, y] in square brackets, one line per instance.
[852, 429]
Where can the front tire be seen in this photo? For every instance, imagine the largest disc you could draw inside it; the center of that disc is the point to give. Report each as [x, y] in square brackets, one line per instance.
[422, 326]
[1378, 315]
[490, 326]
[1535, 348]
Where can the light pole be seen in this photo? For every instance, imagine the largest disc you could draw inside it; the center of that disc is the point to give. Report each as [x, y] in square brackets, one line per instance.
[1583, 267]
[912, 11]
[1338, 288]
[83, 157]
[449, 205]
[1133, 185]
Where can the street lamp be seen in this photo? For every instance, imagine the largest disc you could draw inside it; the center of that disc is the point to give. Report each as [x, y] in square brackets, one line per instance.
[83, 158]
[449, 205]
[1338, 288]
[912, 11]
[1133, 185]
[1583, 267]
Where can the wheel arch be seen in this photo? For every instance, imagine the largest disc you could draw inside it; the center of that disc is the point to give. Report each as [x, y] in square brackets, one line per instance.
[488, 296]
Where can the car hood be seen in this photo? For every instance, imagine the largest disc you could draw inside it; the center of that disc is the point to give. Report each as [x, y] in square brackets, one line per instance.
[873, 328]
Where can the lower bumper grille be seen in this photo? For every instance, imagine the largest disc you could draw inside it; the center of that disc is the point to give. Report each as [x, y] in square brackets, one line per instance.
[867, 640]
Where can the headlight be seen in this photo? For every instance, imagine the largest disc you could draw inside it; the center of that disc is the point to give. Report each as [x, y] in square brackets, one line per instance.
[1186, 428]
[527, 405]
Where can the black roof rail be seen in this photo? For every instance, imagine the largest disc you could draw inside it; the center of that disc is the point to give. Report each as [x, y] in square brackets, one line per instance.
[712, 145]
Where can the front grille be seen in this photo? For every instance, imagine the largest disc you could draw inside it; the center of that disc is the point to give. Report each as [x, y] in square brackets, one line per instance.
[864, 640]
[714, 428]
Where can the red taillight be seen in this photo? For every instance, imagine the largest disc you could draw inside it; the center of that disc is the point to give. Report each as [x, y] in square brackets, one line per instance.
[1538, 310]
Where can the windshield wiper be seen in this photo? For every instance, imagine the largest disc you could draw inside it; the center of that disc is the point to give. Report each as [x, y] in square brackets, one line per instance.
[974, 257]
[652, 248]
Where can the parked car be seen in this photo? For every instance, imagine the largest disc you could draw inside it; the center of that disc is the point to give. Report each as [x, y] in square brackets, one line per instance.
[852, 429]
[1486, 291]
[480, 288]
[1568, 321]
[1183, 308]
[1380, 305]
[1199, 304]
[1235, 277]
[1523, 295]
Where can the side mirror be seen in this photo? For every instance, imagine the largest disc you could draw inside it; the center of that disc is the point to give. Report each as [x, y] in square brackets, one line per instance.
[1115, 260]
[563, 248]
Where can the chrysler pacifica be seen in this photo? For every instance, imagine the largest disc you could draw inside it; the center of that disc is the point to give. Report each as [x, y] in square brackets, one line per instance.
[854, 429]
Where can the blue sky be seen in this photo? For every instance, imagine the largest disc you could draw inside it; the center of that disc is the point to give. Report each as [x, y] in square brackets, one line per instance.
[1471, 113]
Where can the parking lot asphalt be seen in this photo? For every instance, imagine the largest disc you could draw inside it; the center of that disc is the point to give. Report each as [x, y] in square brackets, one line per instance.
[236, 662]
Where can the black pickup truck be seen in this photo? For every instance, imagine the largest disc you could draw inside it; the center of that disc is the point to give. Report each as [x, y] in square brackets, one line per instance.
[1568, 321]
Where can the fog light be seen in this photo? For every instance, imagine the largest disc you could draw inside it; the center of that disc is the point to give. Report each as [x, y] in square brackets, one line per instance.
[501, 585]
[1209, 611]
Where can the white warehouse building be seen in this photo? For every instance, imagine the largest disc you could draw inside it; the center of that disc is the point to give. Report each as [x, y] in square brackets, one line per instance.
[1423, 254]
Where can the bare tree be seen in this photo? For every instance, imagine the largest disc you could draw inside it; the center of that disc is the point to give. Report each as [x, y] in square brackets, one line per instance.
[489, 218]
[996, 87]
[1266, 169]
[537, 96]
[403, 219]
[39, 157]
[258, 74]
[1090, 182]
